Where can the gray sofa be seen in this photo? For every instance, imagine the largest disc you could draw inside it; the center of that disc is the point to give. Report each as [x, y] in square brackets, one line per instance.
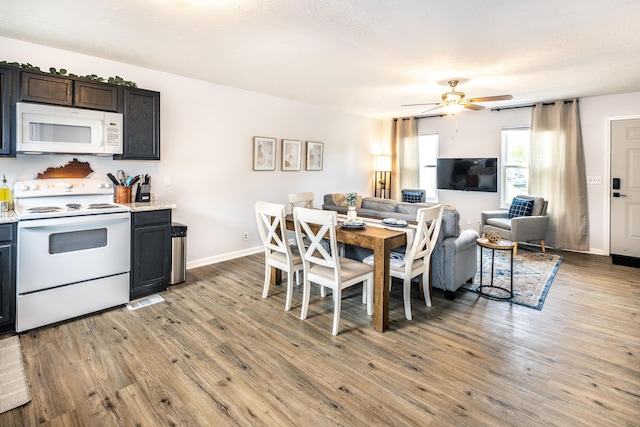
[454, 259]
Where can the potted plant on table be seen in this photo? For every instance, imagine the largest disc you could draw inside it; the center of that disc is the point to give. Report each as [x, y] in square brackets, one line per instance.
[352, 200]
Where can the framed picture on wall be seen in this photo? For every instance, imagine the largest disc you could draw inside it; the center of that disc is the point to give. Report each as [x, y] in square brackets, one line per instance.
[291, 154]
[315, 155]
[264, 153]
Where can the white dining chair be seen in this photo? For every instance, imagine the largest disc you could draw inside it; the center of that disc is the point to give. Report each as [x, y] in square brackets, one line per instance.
[277, 252]
[416, 260]
[324, 267]
[304, 200]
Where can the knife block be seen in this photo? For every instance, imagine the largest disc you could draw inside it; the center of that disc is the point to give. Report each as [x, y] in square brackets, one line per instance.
[143, 193]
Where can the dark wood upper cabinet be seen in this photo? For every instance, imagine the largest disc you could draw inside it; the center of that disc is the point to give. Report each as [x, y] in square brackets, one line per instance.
[141, 123]
[45, 88]
[140, 108]
[5, 112]
[97, 96]
[61, 90]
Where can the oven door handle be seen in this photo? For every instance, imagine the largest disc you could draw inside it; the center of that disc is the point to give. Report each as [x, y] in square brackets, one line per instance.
[97, 220]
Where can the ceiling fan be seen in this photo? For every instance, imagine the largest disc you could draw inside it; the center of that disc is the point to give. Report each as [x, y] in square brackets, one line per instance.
[453, 102]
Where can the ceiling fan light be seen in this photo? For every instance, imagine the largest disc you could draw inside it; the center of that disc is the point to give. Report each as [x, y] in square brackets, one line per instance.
[452, 108]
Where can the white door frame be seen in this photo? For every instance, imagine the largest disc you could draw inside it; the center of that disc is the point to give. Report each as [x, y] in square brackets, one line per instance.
[607, 212]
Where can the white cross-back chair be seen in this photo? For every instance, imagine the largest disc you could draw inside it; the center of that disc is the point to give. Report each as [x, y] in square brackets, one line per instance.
[304, 200]
[277, 252]
[416, 260]
[324, 267]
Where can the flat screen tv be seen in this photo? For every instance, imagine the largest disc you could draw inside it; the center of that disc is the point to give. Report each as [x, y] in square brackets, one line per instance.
[472, 174]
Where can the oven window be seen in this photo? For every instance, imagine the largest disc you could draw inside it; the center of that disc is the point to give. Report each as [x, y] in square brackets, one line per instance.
[72, 241]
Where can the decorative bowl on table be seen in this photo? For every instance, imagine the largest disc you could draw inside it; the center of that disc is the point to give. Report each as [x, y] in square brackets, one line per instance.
[393, 222]
[356, 223]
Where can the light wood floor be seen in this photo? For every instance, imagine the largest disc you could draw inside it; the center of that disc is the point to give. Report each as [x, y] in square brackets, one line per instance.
[217, 354]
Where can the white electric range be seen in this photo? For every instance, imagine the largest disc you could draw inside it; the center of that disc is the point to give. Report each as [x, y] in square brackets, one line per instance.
[73, 250]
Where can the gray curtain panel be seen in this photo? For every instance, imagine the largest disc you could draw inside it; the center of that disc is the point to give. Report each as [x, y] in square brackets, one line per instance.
[405, 168]
[557, 173]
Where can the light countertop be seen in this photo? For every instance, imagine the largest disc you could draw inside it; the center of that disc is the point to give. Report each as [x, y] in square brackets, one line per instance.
[8, 217]
[150, 206]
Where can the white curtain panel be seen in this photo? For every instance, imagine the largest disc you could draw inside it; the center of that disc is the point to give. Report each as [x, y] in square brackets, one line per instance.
[405, 168]
[557, 173]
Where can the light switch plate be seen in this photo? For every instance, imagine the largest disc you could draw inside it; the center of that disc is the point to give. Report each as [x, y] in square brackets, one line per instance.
[594, 180]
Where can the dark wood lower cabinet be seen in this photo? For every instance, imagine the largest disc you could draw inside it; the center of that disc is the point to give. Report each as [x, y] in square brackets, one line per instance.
[150, 252]
[7, 277]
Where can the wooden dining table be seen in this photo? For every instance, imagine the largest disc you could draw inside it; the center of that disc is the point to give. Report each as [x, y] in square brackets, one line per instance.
[381, 240]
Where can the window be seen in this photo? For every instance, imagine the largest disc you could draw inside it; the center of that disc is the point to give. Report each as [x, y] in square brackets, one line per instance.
[428, 152]
[515, 163]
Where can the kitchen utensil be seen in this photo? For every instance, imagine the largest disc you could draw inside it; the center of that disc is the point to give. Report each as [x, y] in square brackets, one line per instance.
[113, 179]
[134, 180]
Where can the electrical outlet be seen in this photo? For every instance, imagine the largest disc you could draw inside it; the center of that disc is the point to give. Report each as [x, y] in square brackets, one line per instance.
[594, 180]
[245, 235]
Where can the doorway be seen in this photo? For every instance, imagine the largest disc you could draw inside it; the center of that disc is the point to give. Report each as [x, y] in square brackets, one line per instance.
[625, 192]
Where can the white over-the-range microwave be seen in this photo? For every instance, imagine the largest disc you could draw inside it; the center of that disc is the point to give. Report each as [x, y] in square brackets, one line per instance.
[44, 128]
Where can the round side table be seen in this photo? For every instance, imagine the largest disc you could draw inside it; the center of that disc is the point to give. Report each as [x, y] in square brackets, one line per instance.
[502, 245]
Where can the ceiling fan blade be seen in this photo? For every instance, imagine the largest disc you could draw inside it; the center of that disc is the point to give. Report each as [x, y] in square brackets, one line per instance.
[491, 98]
[474, 107]
[413, 105]
[431, 109]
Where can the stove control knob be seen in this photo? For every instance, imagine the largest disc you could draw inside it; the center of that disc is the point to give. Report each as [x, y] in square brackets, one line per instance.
[100, 184]
[106, 185]
[68, 185]
[24, 187]
[34, 186]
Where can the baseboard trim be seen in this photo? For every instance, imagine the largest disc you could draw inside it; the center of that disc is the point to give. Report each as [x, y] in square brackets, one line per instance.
[224, 257]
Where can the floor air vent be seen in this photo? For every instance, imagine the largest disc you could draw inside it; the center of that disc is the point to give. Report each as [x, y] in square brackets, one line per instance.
[144, 302]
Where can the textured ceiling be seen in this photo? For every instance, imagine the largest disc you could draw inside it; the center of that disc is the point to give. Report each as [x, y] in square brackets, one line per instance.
[363, 56]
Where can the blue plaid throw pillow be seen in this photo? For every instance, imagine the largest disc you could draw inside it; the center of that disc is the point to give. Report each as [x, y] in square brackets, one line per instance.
[412, 196]
[520, 207]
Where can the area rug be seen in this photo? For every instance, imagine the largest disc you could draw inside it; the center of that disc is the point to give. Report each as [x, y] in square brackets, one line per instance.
[533, 273]
[13, 384]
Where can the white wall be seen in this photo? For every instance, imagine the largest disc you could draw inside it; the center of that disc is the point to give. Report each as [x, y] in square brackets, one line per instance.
[207, 134]
[595, 116]
[477, 134]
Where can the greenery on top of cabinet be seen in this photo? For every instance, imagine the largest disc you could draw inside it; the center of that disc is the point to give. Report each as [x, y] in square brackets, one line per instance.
[117, 80]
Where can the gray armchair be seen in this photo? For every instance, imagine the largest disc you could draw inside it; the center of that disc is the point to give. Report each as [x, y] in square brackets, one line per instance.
[519, 228]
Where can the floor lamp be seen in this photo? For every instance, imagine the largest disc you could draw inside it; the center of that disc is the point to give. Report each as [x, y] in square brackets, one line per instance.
[382, 182]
